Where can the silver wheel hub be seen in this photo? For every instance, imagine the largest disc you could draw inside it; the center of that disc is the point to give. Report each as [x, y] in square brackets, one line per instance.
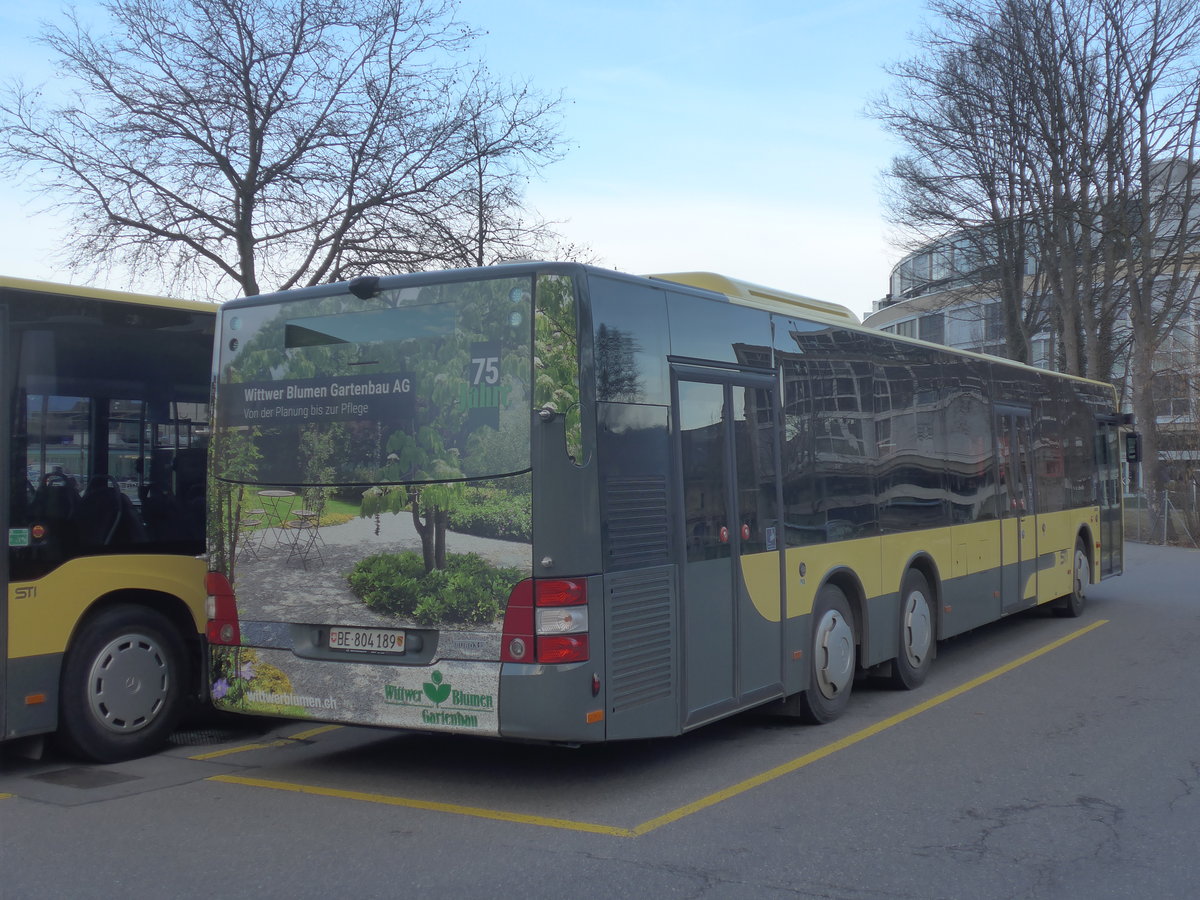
[129, 684]
[1083, 575]
[834, 646]
[916, 629]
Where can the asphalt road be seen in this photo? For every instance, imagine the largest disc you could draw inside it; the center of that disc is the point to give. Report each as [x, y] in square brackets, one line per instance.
[1044, 757]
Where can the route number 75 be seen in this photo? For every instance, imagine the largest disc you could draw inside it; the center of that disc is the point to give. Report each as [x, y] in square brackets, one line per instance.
[487, 370]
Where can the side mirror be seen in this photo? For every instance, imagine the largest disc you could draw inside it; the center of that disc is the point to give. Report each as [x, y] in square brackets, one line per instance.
[1133, 447]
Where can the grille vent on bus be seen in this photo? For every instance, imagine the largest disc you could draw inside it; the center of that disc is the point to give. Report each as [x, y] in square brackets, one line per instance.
[636, 516]
[641, 608]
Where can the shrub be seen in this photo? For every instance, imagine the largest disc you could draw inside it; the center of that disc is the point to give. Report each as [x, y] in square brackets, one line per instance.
[494, 513]
[468, 591]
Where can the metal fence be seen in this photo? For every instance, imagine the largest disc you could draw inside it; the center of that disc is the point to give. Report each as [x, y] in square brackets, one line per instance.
[1174, 519]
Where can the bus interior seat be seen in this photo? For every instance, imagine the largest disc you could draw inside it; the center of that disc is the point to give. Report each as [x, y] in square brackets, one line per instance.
[191, 470]
[106, 516]
[157, 498]
[190, 465]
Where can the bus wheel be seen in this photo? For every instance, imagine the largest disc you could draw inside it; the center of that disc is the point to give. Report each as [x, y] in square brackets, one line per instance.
[916, 642]
[122, 686]
[832, 658]
[1071, 606]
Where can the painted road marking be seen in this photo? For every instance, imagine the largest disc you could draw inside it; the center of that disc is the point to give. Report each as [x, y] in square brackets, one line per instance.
[850, 740]
[676, 814]
[477, 812]
[264, 745]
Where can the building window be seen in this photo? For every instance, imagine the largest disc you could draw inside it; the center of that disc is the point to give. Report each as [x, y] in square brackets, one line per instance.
[1040, 353]
[907, 328]
[993, 322]
[932, 328]
[1172, 396]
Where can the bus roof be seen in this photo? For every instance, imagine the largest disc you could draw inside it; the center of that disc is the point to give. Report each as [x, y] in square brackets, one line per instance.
[743, 293]
[749, 294]
[76, 290]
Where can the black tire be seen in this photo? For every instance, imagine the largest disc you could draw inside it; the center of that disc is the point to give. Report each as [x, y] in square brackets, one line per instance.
[916, 635]
[122, 685]
[1071, 606]
[831, 659]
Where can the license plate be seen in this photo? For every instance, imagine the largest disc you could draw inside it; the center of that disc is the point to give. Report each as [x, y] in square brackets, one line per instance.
[366, 640]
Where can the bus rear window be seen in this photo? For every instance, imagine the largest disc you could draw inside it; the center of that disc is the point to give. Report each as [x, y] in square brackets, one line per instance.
[416, 384]
[367, 327]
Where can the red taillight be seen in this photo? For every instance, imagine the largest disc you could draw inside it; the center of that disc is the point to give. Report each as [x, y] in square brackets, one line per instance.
[537, 627]
[558, 648]
[222, 611]
[557, 592]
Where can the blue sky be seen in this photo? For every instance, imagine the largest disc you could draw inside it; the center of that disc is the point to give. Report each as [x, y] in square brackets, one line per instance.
[721, 136]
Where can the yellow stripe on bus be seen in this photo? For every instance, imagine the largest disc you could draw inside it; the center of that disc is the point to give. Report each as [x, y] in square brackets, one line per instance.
[881, 562]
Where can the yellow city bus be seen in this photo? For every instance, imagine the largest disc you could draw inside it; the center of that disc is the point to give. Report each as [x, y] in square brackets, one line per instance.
[596, 507]
[103, 503]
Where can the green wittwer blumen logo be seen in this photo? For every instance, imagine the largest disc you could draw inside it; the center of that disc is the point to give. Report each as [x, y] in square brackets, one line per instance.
[437, 692]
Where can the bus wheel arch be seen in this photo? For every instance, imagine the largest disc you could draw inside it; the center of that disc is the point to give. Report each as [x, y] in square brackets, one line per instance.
[124, 680]
[171, 608]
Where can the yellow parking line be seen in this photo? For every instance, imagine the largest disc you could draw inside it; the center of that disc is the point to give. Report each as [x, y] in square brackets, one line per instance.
[477, 812]
[850, 740]
[313, 732]
[5, 796]
[266, 745]
[683, 811]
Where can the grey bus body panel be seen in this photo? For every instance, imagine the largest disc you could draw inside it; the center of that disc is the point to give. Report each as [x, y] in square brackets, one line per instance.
[27, 676]
[566, 505]
[641, 634]
[549, 703]
[641, 579]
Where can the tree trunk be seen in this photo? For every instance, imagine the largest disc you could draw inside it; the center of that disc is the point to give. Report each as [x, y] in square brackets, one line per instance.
[426, 529]
[441, 520]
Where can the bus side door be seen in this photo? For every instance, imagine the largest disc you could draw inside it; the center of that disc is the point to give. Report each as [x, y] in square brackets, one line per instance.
[732, 602]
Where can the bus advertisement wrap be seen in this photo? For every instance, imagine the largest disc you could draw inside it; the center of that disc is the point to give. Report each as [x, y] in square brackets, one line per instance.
[330, 399]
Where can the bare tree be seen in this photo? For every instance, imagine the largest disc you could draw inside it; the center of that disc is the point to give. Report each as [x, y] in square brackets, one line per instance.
[489, 224]
[1054, 51]
[1095, 105]
[277, 143]
[1155, 47]
[964, 113]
